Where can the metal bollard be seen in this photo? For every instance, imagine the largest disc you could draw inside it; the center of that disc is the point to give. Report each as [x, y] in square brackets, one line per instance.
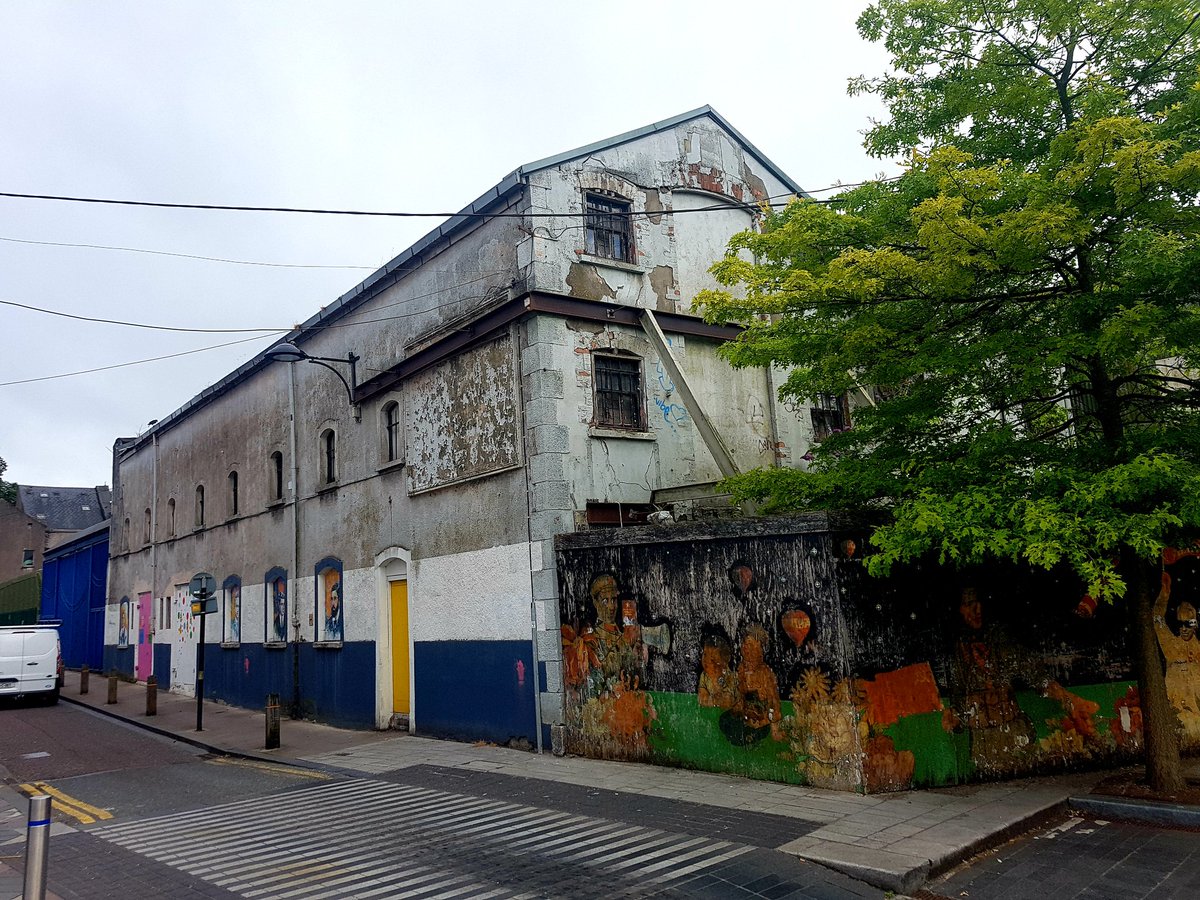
[152, 696]
[83, 679]
[112, 689]
[37, 848]
[272, 722]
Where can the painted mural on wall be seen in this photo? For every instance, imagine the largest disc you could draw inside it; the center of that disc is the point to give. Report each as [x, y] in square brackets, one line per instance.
[232, 633]
[1175, 624]
[329, 599]
[775, 656]
[276, 605]
[123, 623]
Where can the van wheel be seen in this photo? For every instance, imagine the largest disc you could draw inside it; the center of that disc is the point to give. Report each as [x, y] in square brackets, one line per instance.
[52, 697]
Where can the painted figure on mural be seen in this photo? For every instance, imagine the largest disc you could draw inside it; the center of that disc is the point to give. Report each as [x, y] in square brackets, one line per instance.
[279, 609]
[123, 625]
[604, 664]
[985, 703]
[331, 580]
[718, 682]
[757, 714]
[1175, 624]
[234, 631]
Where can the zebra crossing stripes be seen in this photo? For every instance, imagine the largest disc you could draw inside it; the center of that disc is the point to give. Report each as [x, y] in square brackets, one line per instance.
[368, 838]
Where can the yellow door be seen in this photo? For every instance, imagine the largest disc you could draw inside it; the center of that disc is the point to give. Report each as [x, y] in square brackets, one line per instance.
[400, 646]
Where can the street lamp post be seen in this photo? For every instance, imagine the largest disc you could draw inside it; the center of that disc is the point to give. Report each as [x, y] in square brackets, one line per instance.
[289, 352]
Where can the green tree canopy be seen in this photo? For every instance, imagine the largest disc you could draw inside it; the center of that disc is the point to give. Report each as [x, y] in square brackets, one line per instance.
[8, 489]
[1018, 311]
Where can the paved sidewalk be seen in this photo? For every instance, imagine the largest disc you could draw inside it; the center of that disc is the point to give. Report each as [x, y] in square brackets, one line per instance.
[893, 841]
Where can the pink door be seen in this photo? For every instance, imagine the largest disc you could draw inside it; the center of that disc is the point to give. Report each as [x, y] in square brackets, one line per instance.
[144, 663]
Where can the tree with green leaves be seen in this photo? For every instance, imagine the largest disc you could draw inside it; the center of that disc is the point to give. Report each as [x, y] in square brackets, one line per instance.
[8, 489]
[1019, 309]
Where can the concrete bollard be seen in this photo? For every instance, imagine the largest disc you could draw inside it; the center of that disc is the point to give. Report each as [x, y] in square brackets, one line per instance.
[152, 696]
[83, 679]
[37, 847]
[112, 689]
[272, 722]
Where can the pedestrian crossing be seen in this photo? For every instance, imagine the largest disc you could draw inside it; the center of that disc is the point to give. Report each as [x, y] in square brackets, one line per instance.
[367, 838]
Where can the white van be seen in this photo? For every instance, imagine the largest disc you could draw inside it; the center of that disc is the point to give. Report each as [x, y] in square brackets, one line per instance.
[30, 661]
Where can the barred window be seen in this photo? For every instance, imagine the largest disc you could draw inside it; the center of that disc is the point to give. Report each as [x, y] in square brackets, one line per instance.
[618, 381]
[829, 415]
[607, 227]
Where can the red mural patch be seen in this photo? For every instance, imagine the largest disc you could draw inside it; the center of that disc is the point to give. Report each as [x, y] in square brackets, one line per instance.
[904, 692]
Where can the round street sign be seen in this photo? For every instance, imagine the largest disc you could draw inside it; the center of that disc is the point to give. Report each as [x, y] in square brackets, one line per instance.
[202, 586]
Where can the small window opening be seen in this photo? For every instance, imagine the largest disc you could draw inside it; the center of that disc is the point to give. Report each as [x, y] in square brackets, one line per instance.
[618, 382]
[329, 445]
[277, 475]
[27, 560]
[171, 516]
[829, 415]
[200, 506]
[391, 426]
[608, 227]
[146, 527]
[233, 493]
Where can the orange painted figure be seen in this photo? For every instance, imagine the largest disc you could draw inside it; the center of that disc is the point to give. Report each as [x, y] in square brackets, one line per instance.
[718, 682]
[759, 704]
[1177, 636]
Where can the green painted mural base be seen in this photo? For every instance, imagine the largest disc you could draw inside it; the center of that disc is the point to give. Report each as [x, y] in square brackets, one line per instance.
[687, 734]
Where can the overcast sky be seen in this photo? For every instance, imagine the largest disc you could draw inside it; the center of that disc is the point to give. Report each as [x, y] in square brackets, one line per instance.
[348, 104]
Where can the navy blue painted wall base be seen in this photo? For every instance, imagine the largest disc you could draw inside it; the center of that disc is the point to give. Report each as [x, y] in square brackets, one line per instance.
[474, 690]
[118, 660]
[337, 687]
[162, 665]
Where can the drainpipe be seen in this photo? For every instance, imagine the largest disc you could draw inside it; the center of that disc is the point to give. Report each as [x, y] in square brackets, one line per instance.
[153, 543]
[295, 711]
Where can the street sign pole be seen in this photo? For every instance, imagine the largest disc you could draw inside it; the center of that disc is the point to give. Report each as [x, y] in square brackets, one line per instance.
[203, 589]
[200, 677]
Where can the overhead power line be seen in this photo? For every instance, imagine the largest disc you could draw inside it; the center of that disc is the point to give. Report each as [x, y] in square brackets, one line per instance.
[411, 215]
[236, 262]
[135, 362]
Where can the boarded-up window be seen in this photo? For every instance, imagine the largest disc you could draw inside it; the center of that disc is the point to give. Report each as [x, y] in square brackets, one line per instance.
[618, 381]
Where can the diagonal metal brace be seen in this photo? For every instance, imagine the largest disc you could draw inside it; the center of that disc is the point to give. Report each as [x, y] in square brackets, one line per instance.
[704, 425]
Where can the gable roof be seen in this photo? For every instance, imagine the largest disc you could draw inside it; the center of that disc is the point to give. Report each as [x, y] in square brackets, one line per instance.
[388, 273]
[654, 128]
[65, 508]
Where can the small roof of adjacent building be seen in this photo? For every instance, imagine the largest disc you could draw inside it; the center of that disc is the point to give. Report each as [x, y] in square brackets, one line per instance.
[65, 508]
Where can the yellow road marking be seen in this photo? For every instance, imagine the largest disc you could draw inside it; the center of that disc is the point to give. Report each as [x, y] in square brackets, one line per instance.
[84, 813]
[273, 768]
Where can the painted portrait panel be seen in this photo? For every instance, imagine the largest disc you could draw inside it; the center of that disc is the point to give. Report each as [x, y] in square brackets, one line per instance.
[277, 605]
[329, 599]
[123, 624]
[233, 610]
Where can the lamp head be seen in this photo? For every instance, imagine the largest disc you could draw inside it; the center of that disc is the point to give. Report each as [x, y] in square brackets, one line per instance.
[286, 352]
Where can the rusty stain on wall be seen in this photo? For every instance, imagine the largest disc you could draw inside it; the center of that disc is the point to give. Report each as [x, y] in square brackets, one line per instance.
[462, 421]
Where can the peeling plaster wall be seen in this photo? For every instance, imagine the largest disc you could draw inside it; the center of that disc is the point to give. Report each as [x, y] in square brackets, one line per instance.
[695, 164]
[462, 417]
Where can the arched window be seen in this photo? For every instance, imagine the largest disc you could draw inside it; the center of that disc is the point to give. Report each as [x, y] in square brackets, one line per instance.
[171, 516]
[125, 534]
[233, 493]
[199, 506]
[329, 453]
[391, 432]
[276, 475]
[146, 527]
